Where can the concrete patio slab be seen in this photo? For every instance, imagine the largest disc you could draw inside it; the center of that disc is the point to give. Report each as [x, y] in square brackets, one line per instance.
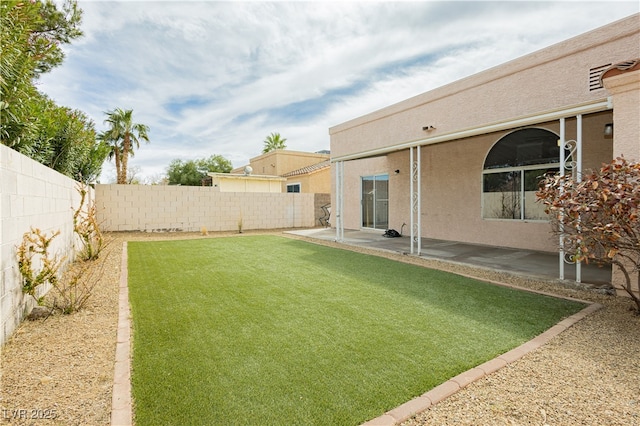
[516, 261]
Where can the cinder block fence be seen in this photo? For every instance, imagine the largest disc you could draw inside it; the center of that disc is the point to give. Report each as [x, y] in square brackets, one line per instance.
[32, 195]
[191, 208]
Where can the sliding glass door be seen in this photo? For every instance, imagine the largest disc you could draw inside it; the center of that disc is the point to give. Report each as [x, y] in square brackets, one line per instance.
[375, 202]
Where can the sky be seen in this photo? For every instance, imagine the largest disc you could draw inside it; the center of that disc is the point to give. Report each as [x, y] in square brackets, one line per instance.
[217, 77]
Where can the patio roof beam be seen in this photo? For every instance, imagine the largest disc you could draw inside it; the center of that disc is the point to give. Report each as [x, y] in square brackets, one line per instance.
[591, 107]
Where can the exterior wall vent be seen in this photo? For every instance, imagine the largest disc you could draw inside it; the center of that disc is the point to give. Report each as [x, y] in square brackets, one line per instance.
[595, 82]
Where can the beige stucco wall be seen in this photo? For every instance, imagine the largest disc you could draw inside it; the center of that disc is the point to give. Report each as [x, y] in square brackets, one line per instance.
[189, 209]
[451, 188]
[315, 182]
[625, 90]
[224, 182]
[283, 161]
[553, 79]
[353, 171]
[550, 79]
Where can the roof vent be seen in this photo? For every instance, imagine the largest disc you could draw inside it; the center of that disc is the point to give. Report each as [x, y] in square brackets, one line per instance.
[595, 82]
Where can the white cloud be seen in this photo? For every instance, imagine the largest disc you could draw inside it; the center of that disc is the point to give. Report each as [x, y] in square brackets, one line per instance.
[218, 77]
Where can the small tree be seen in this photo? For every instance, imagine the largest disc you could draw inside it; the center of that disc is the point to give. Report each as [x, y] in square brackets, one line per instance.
[192, 172]
[599, 217]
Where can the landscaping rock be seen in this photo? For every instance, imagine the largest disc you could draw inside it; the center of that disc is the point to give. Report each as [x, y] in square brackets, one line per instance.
[39, 312]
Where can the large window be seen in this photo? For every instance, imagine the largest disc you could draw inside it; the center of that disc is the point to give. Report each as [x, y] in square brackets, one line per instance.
[375, 202]
[512, 170]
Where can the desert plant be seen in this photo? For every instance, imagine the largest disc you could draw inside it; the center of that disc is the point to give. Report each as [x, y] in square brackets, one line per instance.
[73, 290]
[599, 217]
[35, 245]
[85, 225]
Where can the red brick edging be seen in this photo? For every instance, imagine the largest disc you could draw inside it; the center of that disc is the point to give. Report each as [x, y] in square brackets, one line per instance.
[121, 409]
[421, 403]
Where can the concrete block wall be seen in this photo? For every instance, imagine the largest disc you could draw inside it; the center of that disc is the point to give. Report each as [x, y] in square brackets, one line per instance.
[160, 208]
[31, 195]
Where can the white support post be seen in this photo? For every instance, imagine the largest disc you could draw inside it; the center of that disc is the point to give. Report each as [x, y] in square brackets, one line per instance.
[415, 189]
[342, 201]
[572, 162]
[419, 202]
[411, 227]
[562, 166]
[578, 176]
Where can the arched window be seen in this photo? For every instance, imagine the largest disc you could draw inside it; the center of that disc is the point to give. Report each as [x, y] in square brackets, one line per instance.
[512, 170]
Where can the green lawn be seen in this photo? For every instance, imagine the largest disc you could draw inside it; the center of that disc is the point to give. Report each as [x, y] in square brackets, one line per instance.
[268, 330]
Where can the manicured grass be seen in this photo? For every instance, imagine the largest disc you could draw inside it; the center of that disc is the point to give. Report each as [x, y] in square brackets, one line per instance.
[268, 330]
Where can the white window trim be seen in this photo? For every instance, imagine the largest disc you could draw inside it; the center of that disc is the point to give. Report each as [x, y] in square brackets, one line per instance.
[521, 192]
[298, 184]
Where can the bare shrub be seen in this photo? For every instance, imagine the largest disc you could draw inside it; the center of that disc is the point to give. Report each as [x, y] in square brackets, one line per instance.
[36, 265]
[85, 225]
[599, 217]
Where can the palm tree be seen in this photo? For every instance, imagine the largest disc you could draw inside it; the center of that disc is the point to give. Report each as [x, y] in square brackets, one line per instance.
[123, 134]
[273, 142]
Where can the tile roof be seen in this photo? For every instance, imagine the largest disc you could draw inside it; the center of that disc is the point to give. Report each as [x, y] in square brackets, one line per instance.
[308, 169]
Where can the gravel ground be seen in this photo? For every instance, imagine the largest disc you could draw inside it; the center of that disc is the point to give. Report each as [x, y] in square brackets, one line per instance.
[62, 366]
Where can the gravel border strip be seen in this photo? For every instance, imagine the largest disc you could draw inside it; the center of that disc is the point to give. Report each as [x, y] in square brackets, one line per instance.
[421, 403]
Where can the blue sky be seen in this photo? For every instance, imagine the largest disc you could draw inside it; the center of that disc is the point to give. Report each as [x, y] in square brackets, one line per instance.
[218, 77]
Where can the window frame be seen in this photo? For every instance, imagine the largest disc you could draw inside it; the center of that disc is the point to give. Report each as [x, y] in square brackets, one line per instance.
[294, 185]
[521, 170]
[374, 178]
[521, 191]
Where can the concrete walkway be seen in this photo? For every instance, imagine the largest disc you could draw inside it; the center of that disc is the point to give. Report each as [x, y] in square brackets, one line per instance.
[521, 262]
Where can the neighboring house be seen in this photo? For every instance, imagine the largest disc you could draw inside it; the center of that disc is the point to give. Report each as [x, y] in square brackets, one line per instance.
[315, 178]
[461, 162]
[302, 171]
[245, 182]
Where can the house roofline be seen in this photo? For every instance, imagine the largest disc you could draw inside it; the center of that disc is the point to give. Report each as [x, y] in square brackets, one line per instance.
[527, 120]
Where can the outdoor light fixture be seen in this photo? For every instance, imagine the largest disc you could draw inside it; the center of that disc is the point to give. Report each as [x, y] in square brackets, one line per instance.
[428, 128]
[608, 129]
[397, 171]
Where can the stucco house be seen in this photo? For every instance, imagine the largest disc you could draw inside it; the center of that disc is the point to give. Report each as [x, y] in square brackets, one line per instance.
[245, 182]
[308, 172]
[462, 162]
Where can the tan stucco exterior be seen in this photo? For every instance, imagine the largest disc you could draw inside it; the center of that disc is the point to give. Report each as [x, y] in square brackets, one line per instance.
[292, 165]
[230, 182]
[282, 161]
[317, 182]
[625, 90]
[547, 80]
[525, 90]
[456, 126]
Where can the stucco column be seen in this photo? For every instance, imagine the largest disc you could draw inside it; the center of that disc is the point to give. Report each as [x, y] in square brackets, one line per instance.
[624, 87]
